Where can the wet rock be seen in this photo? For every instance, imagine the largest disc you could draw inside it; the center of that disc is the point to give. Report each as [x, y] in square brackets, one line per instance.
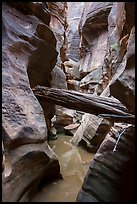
[27, 157]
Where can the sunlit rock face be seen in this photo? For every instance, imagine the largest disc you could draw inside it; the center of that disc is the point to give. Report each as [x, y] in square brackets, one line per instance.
[28, 159]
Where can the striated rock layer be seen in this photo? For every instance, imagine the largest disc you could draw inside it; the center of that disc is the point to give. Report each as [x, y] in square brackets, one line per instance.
[28, 47]
[91, 132]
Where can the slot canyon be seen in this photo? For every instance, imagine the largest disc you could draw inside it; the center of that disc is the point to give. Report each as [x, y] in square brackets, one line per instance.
[68, 101]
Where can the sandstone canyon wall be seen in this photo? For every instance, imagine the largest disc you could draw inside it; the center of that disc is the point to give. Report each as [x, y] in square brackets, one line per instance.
[83, 46]
[111, 175]
[29, 55]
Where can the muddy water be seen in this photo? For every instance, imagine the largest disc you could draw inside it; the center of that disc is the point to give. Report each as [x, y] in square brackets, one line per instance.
[74, 162]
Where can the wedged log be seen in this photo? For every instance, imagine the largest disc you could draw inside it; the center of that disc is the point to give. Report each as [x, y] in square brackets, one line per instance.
[102, 106]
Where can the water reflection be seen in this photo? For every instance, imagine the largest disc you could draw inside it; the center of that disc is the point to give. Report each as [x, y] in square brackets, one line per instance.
[74, 162]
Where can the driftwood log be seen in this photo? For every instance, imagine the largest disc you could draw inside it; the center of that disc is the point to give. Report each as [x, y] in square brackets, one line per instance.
[105, 107]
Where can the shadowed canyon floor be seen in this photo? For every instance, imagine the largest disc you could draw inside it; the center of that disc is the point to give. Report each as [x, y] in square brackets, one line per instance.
[74, 162]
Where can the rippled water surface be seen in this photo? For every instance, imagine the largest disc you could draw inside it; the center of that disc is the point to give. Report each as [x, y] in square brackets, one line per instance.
[74, 162]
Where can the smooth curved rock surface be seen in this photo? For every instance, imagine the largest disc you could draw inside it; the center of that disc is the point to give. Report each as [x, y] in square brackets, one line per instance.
[28, 159]
[110, 177]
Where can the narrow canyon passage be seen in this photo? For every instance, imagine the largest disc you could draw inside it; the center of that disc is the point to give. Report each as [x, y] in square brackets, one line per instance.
[74, 162]
[68, 102]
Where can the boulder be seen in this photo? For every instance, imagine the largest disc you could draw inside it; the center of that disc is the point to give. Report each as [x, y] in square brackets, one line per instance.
[64, 116]
[91, 132]
[71, 129]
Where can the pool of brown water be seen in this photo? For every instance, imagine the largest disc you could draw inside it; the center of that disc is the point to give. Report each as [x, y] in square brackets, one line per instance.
[74, 162]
